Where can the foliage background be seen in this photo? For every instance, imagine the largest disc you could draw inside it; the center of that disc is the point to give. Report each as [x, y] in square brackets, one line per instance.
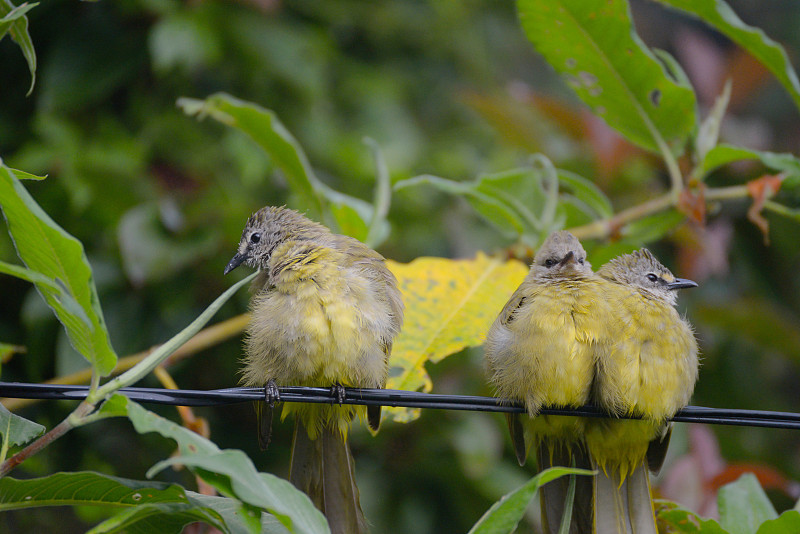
[445, 88]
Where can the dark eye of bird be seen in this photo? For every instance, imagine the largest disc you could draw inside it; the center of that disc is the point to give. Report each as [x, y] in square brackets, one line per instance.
[580, 260]
[255, 238]
[549, 262]
[652, 277]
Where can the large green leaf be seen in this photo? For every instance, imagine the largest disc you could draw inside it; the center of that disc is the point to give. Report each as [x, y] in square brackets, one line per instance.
[505, 514]
[166, 506]
[173, 517]
[51, 252]
[14, 21]
[719, 15]
[233, 474]
[593, 44]
[743, 505]
[345, 213]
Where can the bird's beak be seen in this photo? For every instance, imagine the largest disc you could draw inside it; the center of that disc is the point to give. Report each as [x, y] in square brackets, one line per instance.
[569, 258]
[236, 261]
[681, 283]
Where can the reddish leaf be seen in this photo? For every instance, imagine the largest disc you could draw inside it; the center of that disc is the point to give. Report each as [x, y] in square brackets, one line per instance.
[762, 189]
[693, 204]
[768, 477]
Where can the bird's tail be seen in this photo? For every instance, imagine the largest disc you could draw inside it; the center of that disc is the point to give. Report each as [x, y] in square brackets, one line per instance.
[324, 469]
[555, 495]
[623, 507]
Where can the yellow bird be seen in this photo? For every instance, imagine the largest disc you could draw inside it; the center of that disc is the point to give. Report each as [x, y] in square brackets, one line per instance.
[649, 370]
[325, 311]
[541, 350]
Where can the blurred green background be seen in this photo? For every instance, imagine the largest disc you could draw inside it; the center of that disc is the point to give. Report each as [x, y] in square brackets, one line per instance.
[446, 88]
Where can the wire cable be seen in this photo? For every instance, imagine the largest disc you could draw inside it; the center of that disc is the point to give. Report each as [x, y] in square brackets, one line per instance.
[387, 397]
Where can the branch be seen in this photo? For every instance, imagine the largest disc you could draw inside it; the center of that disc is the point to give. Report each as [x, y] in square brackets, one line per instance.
[604, 228]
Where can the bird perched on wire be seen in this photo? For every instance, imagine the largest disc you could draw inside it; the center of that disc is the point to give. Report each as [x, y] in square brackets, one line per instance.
[541, 351]
[325, 311]
[648, 370]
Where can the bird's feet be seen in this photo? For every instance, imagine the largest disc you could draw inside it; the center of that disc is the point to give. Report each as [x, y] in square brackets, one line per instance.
[338, 392]
[271, 393]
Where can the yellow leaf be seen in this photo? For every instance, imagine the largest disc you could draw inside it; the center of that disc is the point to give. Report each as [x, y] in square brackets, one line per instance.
[450, 305]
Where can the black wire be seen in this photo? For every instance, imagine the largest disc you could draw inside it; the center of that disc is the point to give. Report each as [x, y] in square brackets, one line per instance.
[387, 397]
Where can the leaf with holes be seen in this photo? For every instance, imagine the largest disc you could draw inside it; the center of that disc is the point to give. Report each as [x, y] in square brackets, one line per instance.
[718, 14]
[592, 43]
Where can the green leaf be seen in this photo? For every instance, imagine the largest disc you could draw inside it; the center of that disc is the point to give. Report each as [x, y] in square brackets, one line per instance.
[743, 505]
[677, 519]
[166, 506]
[787, 523]
[47, 249]
[511, 215]
[505, 514]
[17, 430]
[528, 202]
[724, 154]
[22, 175]
[718, 14]
[708, 135]
[61, 300]
[587, 192]
[264, 127]
[15, 22]
[592, 43]
[232, 473]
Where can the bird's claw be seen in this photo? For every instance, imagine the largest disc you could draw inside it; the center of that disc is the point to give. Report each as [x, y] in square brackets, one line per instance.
[271, 393]
[338, 392]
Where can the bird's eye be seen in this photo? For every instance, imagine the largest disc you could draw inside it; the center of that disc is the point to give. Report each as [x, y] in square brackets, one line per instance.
[255, 238]
[580, 260]
[549, 263]
[652, 277]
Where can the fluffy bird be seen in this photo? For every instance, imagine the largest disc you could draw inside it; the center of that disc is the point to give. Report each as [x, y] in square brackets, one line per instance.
[325, 311]
[541, 350]
[649, 370]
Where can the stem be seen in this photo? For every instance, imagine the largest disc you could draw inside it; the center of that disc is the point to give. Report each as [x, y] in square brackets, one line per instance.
[604, 227]
[83, 409]
[781, 209]
[727, 193]
[155, 358]
[208, 337]
[675, 176]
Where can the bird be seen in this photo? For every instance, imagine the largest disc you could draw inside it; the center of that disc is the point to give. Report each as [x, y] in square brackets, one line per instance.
[541, 351]
[648, 370]
[325, 310]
